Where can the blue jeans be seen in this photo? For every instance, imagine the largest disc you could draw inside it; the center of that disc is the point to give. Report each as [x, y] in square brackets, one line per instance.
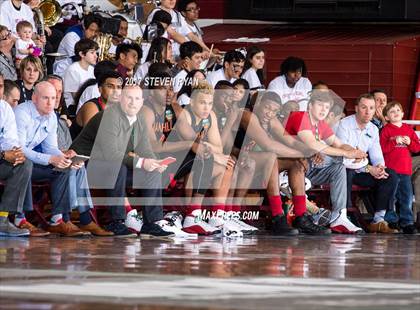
[59, 181]
[80, 198]
[404, 199]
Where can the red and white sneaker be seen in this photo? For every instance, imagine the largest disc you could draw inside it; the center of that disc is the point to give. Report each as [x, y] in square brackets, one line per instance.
[194, 224]
[134, 221]
[342, 225]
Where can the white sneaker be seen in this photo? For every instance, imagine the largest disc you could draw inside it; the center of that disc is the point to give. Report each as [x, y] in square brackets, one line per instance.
[231, 230]
[343, 225]
[174, 217]
[134, 221]
[194, 224]
[218, 220]
[284, 184]
[245, 228]
[172, 228]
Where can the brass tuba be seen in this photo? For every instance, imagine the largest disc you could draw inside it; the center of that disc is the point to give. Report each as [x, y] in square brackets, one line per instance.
[104, 41]
[51, 12]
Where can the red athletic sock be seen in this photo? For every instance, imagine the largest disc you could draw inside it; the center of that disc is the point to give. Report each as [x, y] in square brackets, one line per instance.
[128, 208]
[228, 208]
[191, 208]
[218, 207]
[276, 205]
[299, 205]
[236, 208]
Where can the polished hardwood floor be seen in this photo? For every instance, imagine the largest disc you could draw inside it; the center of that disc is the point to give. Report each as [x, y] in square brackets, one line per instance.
[259, 272]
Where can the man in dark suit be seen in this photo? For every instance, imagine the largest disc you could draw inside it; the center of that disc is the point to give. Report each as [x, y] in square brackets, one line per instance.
[120, 154]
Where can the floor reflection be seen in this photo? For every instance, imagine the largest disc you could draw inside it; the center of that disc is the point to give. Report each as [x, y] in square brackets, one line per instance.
[339, 257]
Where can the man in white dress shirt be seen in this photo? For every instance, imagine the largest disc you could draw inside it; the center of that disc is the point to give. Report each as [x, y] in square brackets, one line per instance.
[358, 131]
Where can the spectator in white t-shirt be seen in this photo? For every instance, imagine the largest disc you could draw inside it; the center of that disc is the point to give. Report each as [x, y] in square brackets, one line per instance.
[292, 83]
[90, 89]
[254, 66]
[178, 30]
[14, 11]
[190, 12]
[88, 30]
[184, 95]
[191, 59]
[233, 66]
[81, 70]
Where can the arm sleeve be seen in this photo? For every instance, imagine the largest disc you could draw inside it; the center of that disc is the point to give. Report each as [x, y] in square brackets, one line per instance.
[68, 43]
[343, 134]
[414, 146]
[375, 151]
[22, 121]
[50, 143]
[9, 131]
[388, 143]
[326, 131]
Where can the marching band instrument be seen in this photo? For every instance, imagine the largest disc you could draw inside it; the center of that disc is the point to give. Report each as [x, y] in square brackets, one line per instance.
[104, 41]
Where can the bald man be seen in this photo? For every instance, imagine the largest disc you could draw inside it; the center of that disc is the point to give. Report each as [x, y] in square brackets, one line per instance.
[37, 132]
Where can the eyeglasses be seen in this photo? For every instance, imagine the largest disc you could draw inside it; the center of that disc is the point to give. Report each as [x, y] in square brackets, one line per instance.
[5, 37]
[237, 66]
[193, 10]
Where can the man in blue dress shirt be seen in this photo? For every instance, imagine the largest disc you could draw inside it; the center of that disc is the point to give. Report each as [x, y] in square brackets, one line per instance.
[37, 132]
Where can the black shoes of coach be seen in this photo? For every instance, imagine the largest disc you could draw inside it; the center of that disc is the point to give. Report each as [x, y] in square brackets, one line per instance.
[281, 228]
[409, 230]
[154, 230]
[306, 226]
[120, 230]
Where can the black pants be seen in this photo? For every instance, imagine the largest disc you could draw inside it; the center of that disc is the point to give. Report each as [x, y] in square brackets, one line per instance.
[115, 178]
[384, 189]
[16, 181]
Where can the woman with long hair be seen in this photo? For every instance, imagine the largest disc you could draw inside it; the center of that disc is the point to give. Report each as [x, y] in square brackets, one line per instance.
[254, 68]
[160, 51]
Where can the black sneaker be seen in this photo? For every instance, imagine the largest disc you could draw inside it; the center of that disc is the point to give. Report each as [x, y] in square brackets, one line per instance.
[353, 218]
[153, 230]
[120, 230]
[281, 228]
[409, 230]
[306, 226]
[394, 226]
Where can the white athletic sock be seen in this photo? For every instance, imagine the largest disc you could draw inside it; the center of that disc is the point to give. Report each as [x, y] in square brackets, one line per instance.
[379, 216]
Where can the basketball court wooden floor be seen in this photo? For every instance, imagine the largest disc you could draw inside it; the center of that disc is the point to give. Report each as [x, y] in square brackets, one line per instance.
[261, 272]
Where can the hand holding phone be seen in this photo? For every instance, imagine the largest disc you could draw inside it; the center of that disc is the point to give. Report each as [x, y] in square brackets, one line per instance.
[167, 161]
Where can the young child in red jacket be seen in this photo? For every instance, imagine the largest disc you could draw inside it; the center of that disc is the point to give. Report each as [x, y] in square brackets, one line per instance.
[398, 141]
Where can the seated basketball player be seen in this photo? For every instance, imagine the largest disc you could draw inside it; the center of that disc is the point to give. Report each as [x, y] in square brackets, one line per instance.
[228, 114]
[204, 164]
[256, 134]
